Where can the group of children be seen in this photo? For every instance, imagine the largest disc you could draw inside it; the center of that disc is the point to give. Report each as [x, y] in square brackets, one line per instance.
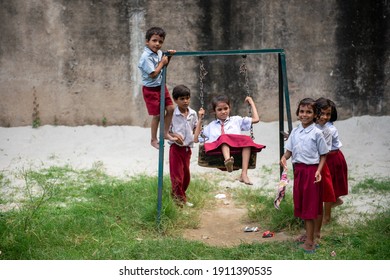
[182, 126]
[320, 169]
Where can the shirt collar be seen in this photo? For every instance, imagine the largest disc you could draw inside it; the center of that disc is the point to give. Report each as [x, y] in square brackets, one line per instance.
[307, 129]
[220, 122]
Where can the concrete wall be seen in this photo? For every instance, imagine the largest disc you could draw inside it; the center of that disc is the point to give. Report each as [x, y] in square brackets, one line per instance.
[74, 62]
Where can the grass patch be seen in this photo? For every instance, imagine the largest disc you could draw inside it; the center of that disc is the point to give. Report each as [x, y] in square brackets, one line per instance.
[372, 185]
[70, 214]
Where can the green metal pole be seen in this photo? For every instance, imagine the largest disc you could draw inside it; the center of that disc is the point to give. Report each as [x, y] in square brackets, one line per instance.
[281, 111]
[161, 148]
[226, 52]
[285, 89]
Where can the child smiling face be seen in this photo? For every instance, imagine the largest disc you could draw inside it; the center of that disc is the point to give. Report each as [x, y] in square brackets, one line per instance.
[306, 115]
[324, 116]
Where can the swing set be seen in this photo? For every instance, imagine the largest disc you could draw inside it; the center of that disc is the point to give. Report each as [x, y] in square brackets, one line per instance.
[211, 161]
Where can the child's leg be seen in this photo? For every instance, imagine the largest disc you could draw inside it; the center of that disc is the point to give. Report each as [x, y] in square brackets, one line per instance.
[246, 153]
[154, 127]
[167, 122]
[225, 151]
[327, 212]
[317, 228]
[338, 202]
[309, 243]
[229, 161]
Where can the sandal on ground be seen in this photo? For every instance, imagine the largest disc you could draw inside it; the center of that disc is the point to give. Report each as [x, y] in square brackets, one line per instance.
[229, 164]
[268, 234]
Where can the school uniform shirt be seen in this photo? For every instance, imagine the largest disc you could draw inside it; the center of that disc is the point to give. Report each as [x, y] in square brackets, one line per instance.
[147, 64]
[306, 144]
[184, 126]
[327, 134]
[232, 125]
[336, 144]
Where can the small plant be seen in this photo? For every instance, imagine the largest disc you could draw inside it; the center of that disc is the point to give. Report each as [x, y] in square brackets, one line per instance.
[104, 121]
[35, 115]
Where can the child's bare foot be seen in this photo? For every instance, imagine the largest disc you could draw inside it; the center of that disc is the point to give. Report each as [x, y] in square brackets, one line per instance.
[338, 202]
[245, 179]
[155, 143]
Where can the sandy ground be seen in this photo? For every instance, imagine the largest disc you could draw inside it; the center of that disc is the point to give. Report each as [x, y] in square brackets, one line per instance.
[125, 151]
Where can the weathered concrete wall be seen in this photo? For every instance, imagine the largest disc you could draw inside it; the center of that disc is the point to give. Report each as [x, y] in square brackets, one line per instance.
[78, 59]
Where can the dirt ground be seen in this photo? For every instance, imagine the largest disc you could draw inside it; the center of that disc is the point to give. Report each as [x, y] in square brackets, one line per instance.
[224, 224]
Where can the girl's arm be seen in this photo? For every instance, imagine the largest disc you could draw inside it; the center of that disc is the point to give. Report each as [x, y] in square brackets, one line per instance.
[319, 169]
[255, 114]
[199, 125]
[284, 158]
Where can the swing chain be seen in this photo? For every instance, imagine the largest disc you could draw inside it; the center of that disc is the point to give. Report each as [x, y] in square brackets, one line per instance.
[202, 75]
[244, 71]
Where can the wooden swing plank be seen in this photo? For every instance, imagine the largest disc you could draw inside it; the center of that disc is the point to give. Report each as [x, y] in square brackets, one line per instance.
[217, 161]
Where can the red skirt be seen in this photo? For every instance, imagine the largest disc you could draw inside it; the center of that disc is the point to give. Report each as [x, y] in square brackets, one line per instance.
[339, 172]
[327, 185]
[307, 195]
[236, 143]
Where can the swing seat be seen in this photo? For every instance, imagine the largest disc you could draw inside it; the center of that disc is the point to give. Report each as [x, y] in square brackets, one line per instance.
[217, 161]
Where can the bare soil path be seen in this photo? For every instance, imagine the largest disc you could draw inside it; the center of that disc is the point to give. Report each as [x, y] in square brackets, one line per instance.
[224, 225]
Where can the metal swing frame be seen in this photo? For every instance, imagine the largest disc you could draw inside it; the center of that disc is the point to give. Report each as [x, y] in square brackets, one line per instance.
[284, 100]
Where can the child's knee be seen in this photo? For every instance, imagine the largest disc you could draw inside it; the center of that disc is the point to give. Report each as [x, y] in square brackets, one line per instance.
[170, 109]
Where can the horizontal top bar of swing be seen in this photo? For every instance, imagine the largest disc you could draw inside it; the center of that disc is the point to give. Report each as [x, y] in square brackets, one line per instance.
[226, 52]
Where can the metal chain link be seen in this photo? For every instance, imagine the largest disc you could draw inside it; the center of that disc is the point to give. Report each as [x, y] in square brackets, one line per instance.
[244, 71]
[202, 75]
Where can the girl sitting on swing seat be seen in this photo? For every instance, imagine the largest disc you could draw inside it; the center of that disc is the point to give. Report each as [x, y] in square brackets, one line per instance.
[223, 135]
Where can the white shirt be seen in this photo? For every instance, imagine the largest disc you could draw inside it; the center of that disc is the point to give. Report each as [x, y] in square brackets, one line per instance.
[232, 125]
[327, 134]
[184, 126]
[336, 144]
[306, 144]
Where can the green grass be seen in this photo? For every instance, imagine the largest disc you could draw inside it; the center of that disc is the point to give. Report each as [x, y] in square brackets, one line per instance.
[70, 214]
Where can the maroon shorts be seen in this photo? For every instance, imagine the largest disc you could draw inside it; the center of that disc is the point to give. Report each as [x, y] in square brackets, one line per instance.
[152, 99]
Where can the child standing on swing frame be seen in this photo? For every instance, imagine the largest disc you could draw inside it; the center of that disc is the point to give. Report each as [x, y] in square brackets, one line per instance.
[307, 147]
[151, 64]
[223, 135]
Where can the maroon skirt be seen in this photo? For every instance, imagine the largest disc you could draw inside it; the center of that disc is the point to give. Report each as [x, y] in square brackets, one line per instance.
[307, 195]
[235, 141]
[339, 172]
[327, 185]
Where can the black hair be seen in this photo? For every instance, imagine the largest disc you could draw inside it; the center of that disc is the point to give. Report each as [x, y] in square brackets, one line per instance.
[155, 31]
[308, 102]
[323, 104]
[220, 98]
[333, 115]
[180, 91]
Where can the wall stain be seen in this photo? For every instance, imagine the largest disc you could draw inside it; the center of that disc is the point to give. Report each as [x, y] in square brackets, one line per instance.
[362, 37]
